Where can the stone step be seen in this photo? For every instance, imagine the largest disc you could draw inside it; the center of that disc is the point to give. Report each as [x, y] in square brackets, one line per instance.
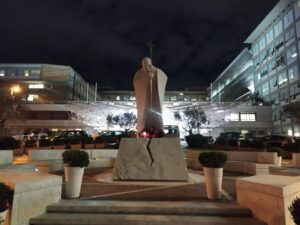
[149, 207]
[136, 219]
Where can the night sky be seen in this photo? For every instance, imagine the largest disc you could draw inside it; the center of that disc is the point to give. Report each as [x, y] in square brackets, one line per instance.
[105, 40]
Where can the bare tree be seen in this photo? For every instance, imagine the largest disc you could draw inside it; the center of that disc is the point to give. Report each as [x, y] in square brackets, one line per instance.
[191, 118]
[126, 120]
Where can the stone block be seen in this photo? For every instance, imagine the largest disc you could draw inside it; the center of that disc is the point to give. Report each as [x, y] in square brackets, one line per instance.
[269, 196]
[150, 159]
[44, 154]
[33, 191]
[6, 157]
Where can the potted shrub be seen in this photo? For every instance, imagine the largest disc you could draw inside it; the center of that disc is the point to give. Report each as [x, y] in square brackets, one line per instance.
[213, 163]
[74, 161]
[279, 152]
[6, 197]
[295, 211]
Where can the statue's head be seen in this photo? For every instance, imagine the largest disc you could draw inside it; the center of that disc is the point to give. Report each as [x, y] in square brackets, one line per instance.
[147, 64]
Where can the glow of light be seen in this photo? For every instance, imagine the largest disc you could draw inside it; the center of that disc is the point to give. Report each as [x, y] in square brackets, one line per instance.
[297, 134]
[15, 89]
[181, 93]
[251, 87]
[294, 55]
[290, 132]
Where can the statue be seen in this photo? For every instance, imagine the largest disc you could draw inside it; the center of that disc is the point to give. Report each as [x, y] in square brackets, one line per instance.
[149, 83]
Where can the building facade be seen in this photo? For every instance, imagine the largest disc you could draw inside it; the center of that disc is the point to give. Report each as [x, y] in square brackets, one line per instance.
[44, 83]
[275, 47]
[235, 83]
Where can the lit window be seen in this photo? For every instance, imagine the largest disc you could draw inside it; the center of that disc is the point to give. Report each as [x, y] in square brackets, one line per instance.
[173, 98]
[291, 54]
[26, 73]
[265, 88]
[35, 72]
[234, 117]
[2, 73]
[255, 49]
[32, 97]
[289, 35]
[282, 79]
[278, 28]
[288, 19]
[262, 43]
[292, 73]
[248, 116]
[118, 98]
[270, 36]
[36, 86]
[132, 98]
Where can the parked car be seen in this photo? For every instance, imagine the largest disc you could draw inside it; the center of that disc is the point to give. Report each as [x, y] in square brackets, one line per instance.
[70, 134]
[171, 131]
[277, 140]
[285, 142]
[110, 138]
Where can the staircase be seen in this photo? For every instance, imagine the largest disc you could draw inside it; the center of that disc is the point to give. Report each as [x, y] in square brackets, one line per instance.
[106, 212]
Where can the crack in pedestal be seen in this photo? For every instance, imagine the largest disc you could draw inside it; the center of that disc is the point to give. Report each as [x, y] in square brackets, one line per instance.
[149, 151]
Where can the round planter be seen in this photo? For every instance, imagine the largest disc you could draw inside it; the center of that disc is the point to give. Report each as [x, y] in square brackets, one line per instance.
[73, 177]
[296, 159]
[213, 182]
[2, 217]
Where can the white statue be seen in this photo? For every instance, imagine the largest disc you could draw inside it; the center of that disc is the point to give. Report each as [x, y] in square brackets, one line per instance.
[149, 83]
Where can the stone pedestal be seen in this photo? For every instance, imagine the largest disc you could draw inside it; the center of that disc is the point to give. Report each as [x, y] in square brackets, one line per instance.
[268, 197]
[33, 192]
[157, 159]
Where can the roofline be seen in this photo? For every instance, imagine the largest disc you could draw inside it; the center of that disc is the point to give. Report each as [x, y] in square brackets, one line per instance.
[272, 16]
[32, 64]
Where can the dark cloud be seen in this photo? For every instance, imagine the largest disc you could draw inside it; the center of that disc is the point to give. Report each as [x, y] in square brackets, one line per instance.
[105, 40]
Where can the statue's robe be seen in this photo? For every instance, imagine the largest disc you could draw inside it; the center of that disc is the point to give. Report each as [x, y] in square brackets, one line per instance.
[149, 94]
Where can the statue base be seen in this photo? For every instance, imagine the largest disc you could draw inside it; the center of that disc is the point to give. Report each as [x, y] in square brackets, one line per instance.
[145, 159]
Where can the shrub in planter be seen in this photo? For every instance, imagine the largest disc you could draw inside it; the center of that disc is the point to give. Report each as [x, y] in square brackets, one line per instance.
[7, 143]
[75, 162]
[295, 211]
[213, 159]
[213, 163]
[278, 150]
[196, 140]
[73, 158]
[6, 198]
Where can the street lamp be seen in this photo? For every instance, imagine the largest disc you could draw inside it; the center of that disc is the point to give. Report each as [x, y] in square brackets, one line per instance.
[15, 89]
